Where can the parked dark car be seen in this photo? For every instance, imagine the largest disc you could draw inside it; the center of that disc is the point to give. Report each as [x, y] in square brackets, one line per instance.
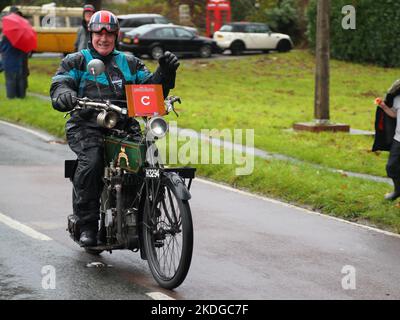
[128, 22]
[154, 39]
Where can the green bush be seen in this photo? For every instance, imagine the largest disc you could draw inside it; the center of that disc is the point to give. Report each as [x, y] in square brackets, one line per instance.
[284, 17]
[375, 39]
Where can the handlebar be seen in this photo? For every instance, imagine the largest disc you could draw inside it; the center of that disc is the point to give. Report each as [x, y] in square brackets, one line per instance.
[107, 105]
[85, 103]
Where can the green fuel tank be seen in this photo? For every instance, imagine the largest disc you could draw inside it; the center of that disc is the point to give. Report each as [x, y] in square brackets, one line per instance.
[129, 155]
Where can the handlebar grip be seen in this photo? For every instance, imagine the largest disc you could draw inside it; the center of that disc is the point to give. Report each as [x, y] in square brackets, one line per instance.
[118, 109]
[104, 106]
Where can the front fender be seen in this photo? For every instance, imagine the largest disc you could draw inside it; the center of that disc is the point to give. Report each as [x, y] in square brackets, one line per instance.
[176, 182]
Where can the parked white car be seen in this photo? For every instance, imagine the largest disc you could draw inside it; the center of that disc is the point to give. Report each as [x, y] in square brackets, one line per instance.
[241, 36]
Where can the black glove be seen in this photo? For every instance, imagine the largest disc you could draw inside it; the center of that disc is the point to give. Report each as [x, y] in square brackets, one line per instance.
[67, 100]
[168, 63]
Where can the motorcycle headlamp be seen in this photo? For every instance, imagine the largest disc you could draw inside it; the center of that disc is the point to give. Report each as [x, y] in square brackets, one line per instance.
[157, 127]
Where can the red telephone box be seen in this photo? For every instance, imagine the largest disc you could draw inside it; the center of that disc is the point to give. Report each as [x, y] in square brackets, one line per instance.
[218, 13]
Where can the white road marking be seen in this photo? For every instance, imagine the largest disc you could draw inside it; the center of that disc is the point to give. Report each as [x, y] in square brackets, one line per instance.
[40, 135]
[388, 233]
[159, 296]
[23, 228]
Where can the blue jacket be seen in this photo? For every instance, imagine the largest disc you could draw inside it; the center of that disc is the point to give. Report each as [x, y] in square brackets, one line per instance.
[13, 60]
[120, 69]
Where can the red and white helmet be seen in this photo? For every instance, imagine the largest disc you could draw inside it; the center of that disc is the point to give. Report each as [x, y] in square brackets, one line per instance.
[103, 20]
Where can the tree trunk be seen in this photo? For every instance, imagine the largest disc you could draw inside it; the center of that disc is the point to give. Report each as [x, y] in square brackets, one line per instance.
[321, 106]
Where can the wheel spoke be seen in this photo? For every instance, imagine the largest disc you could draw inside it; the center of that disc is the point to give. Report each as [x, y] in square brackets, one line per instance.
[164, 240]
[167, 212]
[168, 256]
[172, 203]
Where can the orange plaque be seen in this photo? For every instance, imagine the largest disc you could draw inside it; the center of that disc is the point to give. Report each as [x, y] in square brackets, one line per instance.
[145, 100]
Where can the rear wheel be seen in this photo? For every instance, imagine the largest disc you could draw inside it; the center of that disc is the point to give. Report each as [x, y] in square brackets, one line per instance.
[205, 51]
[237, 48]
[156, 52]
[284, 46]
[168, 236]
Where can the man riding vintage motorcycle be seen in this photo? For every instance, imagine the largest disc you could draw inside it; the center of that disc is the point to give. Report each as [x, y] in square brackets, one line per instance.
[84, 135]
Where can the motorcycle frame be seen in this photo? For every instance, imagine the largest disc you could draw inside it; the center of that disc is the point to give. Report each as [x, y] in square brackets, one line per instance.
[180, 177]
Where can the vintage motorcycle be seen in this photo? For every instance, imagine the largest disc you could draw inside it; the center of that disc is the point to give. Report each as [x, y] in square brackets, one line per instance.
[144, 205]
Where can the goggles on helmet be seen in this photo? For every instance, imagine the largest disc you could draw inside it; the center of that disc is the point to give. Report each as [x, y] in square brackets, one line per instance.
[98, 27]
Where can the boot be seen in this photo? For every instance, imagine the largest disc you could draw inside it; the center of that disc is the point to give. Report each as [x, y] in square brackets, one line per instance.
[396, 193]
[88, 238]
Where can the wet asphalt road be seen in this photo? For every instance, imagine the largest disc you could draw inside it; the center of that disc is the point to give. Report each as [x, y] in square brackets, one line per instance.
[245, 247]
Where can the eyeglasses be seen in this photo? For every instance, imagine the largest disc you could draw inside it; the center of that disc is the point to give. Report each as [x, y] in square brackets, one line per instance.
[98, 27]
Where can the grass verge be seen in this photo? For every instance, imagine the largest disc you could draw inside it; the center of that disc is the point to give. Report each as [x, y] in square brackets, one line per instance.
[350, 198]
[268, 93]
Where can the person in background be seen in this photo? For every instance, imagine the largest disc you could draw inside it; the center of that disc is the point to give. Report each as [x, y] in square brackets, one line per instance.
[391, 106]
[1, 37]
[83, 33]
[15, 65]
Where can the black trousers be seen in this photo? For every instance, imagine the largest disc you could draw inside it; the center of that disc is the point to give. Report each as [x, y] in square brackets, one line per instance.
[16, 84]
[88, 144]
[393, 164]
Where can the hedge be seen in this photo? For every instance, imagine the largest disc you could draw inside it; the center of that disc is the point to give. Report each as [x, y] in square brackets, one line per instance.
[376, 38]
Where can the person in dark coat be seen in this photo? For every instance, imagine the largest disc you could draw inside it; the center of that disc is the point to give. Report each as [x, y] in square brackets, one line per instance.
[387, 126]
[1, 37]
[15, 66]
[85, 137]
[82, 38]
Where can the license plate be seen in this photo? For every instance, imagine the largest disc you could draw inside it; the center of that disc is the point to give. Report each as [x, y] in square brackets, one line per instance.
[152, 173]
[126, 40]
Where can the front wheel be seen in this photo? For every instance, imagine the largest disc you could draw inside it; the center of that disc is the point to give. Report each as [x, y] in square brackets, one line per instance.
[168, 236]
